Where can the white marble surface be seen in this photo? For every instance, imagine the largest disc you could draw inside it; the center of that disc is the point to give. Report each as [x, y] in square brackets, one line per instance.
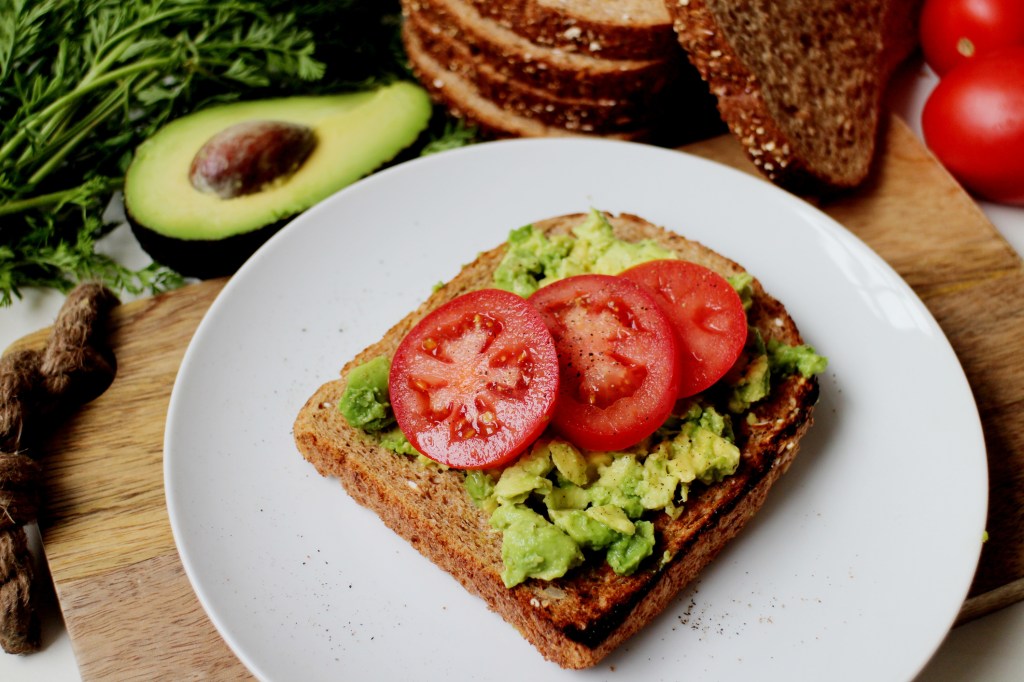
[985, 650]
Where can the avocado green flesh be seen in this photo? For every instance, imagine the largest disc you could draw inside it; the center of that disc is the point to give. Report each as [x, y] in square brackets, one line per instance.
[596, 501]
[364, 404]
[356, 133]
[534, 260]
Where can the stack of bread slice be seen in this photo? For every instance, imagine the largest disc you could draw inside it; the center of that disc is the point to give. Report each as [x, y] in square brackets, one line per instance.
[557, 67]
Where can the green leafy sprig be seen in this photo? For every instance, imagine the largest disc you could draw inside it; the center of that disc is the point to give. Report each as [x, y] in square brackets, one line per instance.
[83, 82]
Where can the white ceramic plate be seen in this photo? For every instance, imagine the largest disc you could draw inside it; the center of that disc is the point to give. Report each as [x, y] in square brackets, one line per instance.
[854, 569]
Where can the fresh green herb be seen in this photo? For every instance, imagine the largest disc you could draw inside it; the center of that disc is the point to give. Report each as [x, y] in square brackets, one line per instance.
[456, 133]
[83, 82]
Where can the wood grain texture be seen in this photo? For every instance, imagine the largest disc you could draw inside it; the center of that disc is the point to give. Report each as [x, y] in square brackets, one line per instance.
[172, 639]
[128, 606]
[129, 609]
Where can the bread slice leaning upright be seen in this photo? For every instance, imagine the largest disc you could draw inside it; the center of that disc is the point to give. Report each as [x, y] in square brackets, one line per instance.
[800, 83]
[578, 619]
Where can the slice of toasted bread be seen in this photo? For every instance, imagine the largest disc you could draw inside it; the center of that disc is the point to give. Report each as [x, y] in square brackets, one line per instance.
[799, 83]
[564, 74]
[576, 620]
[627, 29]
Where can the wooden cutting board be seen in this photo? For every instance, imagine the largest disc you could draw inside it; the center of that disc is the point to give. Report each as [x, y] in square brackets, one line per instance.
[128, 606]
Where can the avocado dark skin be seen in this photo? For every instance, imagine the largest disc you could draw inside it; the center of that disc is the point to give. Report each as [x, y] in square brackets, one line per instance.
[200, 258]
[207, 190]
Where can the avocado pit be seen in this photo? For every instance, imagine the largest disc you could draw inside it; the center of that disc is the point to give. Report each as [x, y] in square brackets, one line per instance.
[247, 157]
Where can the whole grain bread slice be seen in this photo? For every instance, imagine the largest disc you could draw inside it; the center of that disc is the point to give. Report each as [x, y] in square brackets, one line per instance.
[576, 620]
[799, 83]
[627, 29]
[564, 74]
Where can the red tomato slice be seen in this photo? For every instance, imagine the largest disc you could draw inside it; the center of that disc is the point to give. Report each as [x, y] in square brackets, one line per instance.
[475, 381]
[618, 360]
[706, 312]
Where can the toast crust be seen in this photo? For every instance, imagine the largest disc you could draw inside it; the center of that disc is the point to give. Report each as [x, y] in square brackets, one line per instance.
[574, 621]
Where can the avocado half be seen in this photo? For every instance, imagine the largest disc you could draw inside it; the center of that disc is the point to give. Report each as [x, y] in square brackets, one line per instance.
[199, 233]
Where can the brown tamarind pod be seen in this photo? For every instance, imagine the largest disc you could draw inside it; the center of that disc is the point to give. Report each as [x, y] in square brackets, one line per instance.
[74, 365]
[77, 376]
[20, 489]
[19, 620]
[76, 322]
[19, 471]
[20, 379]
[18, 507]
[14, 553]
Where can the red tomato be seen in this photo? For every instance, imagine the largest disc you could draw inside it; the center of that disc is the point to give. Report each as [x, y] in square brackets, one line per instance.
[618, 359]
[475, 381]
[974, 122]
[706, 312]
[955, 31]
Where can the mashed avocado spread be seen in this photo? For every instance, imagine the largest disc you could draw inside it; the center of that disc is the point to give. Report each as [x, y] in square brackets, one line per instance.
[534, 259]
[557, 506]
[365, 403]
